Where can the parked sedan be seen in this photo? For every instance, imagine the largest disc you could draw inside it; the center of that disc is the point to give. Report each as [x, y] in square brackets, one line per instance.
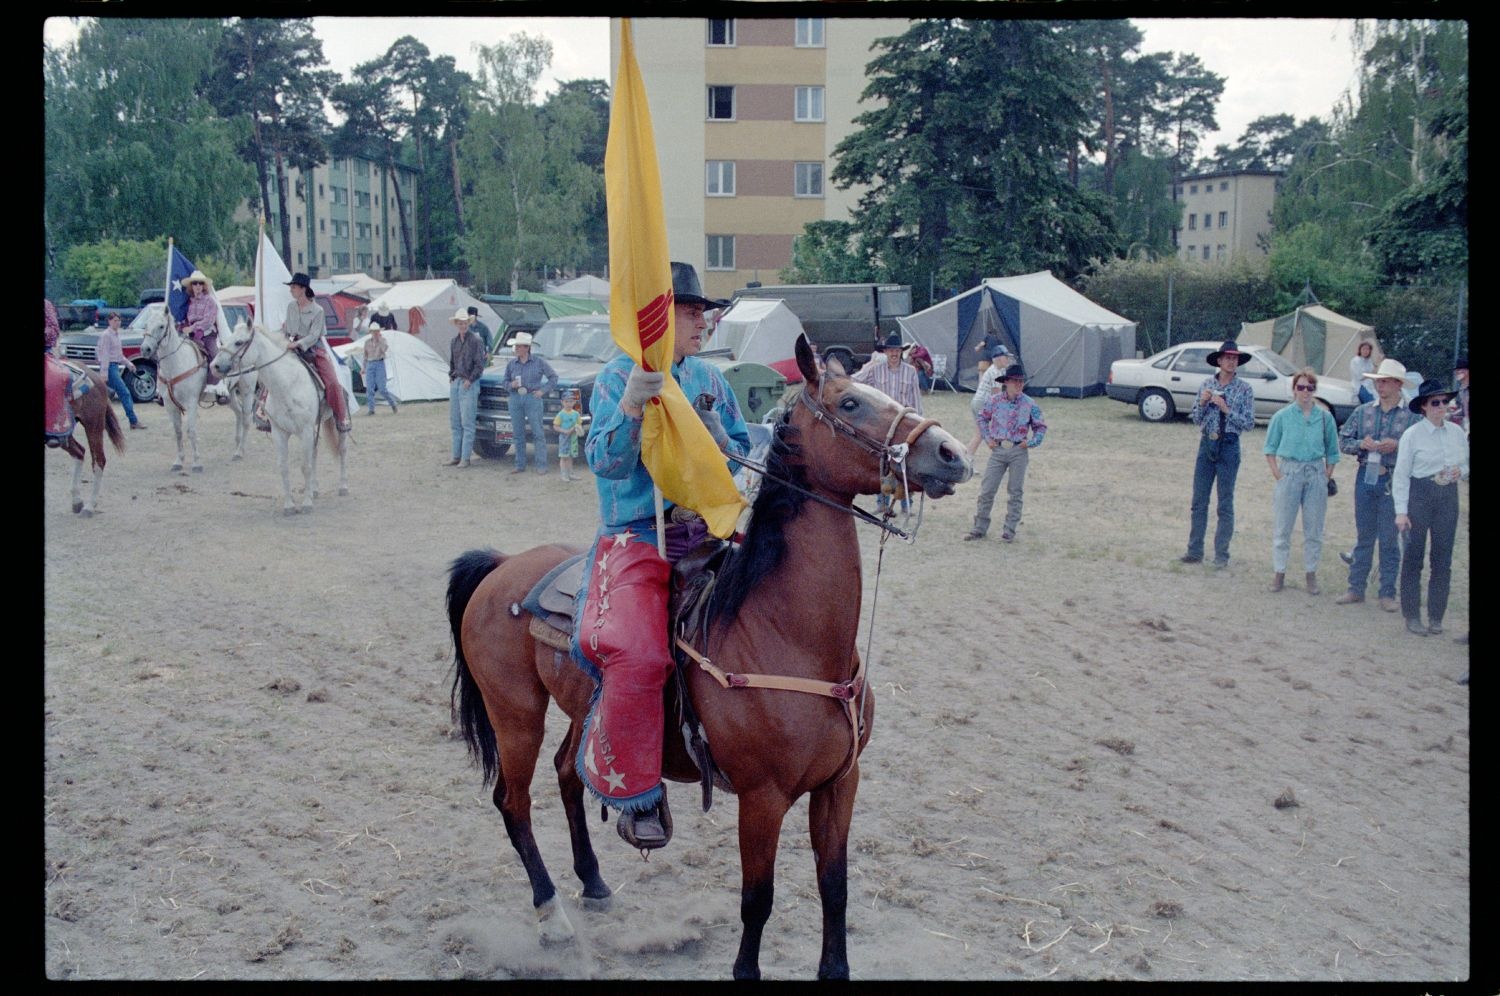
[1166, 384]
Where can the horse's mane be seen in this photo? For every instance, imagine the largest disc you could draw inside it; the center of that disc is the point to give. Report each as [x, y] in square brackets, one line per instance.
[765, 540]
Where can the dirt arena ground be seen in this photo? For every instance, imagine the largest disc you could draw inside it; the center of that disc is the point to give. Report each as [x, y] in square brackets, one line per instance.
[1080, 767]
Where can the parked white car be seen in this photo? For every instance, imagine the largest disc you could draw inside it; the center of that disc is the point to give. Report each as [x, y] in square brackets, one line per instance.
[1167, 383]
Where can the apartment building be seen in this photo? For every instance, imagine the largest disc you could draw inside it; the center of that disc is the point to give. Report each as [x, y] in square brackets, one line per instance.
[344, 218]
[746, 113]
[1225, 214]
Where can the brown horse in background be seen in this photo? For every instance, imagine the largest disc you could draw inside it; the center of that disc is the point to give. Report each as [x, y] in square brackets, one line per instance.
[787, 603]
[93, 411]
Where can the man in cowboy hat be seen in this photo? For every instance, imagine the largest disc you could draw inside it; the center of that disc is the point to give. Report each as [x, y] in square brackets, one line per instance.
[1012, 425]
[1225, 408]
[1371, 434]
[307, 328]
[202, 321]
[465, 367]
[623, 594]
[528, 378]
[888, 375]
[383, 316]
[1431, 458]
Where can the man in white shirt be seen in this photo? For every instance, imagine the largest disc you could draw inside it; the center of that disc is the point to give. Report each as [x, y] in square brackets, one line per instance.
[1431, 458]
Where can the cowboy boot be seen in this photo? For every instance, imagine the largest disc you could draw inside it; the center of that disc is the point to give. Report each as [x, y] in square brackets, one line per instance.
[1312, 583]
[1278, 581]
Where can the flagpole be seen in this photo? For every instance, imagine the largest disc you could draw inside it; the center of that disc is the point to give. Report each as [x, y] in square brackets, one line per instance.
[260, 276]
[166, 299]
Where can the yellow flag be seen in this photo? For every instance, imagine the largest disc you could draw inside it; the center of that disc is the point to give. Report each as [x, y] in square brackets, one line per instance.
[675, 447]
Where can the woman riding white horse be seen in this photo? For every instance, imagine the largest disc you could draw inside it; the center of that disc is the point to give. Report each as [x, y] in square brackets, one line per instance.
[295, 405]
[181, 372]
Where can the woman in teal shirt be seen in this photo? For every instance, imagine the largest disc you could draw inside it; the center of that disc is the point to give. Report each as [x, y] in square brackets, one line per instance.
[1302, 445]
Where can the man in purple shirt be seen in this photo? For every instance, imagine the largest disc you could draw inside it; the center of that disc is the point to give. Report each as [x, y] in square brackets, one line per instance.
[1225, 408]
[111, 356]
[1012, 426]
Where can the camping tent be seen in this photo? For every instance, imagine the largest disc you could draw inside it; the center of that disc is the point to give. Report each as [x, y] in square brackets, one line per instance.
[360, 283]
[1313, 336]
[761, 331]
[413, 372]
[1065, 341]
[425, 308]
[587, 285]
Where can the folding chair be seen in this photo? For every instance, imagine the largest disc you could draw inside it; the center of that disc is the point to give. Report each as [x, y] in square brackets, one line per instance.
[940, 373]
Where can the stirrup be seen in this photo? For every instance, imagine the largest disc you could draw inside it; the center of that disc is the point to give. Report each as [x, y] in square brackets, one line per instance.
[647, 830]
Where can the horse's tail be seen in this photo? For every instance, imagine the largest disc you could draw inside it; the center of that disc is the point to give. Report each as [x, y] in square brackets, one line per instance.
[113, 428]
[332, 432]
[466, 702]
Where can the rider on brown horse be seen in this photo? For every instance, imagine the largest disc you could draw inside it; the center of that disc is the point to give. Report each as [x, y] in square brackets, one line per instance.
[621, 638]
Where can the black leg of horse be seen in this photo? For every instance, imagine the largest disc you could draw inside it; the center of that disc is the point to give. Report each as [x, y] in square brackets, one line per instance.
[760, 833]
[596, 893]
[518, 829]
[829, 814]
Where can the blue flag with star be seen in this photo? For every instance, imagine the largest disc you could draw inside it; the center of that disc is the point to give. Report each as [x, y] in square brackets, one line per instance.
[179, 268]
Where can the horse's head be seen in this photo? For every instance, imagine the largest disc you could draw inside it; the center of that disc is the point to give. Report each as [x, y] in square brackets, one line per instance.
[155, 336]
[232, 347]
[875, 433]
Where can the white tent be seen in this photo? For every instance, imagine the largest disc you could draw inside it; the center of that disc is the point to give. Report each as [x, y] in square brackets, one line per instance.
[360, 283]
[587, 285]
[761, 331]
[413, 372]
[1065, 341]
[425, 308]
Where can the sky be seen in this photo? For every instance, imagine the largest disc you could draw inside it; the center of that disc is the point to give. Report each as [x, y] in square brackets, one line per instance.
[1270, 65]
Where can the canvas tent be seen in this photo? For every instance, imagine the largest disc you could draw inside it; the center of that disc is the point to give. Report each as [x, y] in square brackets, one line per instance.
[360, 283]
[761, 331]
[425, 308]
[1313, 336]
[588, 286]
[412, 370]
[1065, 341]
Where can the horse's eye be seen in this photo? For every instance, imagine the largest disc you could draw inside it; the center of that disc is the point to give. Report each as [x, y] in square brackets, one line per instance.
[849, 404]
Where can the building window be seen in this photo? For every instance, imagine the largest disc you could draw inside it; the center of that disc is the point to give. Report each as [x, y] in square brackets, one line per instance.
[362, 229]
[721, 103]
[1205, 252]
[720, 252]
[1208, 220]
[1223, 219]
[1192, 222]
[1223, 184]
[809, 32]
[337, 166]
[721, 31]
[809, 180]
[361, 167]
[299, 223]
[377, 231]
[341, 260]
[325, 259]
[322, 224]
[340, 229]
[299, 260]
[362, 198]
[1193, 189]
[720, 178]
[809, 103]
[1220, 253]
[340, 194]
[1192, 249]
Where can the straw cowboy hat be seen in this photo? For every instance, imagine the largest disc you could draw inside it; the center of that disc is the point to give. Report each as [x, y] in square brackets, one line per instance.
[1387, 368]
[197, 277]
[521, 339]
[383, 308]
[461, 315]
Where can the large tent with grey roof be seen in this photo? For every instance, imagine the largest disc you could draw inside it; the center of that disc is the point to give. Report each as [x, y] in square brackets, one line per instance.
[1065, 341]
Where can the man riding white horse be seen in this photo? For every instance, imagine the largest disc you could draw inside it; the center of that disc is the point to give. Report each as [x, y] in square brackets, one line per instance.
[307, 328]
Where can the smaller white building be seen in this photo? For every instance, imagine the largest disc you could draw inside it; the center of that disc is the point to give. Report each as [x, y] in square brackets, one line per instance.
[1225, 214]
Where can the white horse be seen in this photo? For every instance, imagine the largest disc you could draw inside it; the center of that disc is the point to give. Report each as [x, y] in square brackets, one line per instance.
[180, 374]
[295, 404]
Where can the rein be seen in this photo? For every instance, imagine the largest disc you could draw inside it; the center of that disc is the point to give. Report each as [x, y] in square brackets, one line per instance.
[239, 354]
[178, 344]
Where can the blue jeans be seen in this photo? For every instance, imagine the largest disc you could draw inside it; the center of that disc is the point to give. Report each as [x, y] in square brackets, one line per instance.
[1375, 521]
[526, 413]
[1218, 463]
[117, 384]
[463, 409]
[375, 385]
[1303, 487]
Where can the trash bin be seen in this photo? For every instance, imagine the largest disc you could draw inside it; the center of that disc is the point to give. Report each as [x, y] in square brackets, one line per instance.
[756, 386]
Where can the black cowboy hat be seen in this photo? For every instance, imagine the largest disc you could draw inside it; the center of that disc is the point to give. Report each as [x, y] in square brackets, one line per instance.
[893, 341]
[299, 280]
[1014, 372]
[1462, 363]
[687, 290]
[1430, 389]
[1228, 347]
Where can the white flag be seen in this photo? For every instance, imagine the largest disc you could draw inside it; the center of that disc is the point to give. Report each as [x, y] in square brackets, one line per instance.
[272, 295]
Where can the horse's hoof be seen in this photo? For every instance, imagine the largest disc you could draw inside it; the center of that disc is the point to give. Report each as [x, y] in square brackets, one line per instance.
[87, 513]
[175, 467]
[596, 904]
[343, 492]
[77, 507]
[552, 924]
[237, 456]
[289, 510]
[197, 468]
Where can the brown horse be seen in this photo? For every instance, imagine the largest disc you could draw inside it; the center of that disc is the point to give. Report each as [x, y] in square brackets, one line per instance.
[787, 604]
[93, 411]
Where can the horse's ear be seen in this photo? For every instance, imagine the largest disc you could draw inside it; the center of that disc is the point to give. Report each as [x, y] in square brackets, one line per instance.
[807, 362]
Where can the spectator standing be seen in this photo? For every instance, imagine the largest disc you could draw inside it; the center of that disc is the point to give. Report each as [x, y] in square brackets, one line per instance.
[1302, 446]
[1361, 363]
[988, 380]
[376, 348]
[477, 327]
[1371, 434]
[888, 375]
[524, 378]
[569, 425]
[383, 316]
[465, 366]
[1012, 425]
[111, 356]
[1431, 458]
[1225, 408]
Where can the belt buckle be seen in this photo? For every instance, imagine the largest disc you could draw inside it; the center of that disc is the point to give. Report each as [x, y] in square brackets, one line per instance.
[1213, 436]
